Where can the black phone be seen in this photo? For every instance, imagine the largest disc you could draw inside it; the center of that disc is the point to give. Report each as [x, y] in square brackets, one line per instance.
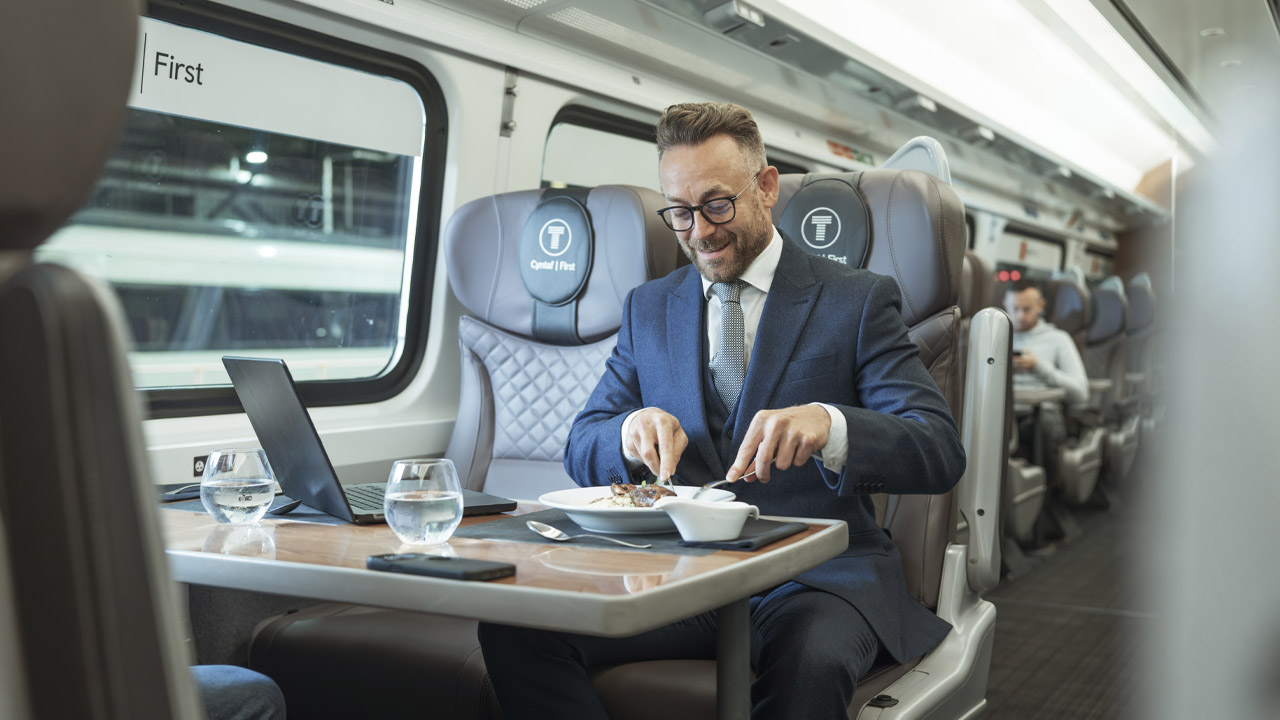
[1017, 352]
[440, 566]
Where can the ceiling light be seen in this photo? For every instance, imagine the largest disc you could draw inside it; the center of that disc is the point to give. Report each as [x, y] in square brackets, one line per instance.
[729, 16]
[916, 101]
[1051, 101]
[1212, 32]
[1230, 63]
[255, 157]
[978, 134]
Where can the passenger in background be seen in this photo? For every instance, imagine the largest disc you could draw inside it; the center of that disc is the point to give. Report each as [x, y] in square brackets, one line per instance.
[722, 366]
[1043, 357]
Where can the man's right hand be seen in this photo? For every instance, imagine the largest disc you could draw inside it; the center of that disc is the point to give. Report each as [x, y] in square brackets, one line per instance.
[655, 436]
[1025, 362]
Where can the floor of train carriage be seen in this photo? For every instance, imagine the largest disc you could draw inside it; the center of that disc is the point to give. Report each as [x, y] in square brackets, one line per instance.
[1069, 628]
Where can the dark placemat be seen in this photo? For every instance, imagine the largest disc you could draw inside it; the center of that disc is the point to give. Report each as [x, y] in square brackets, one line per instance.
[302, 513]
[512, 527]
[755, 534]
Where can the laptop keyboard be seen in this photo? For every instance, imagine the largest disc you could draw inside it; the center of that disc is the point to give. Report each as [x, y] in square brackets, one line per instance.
[366, 498]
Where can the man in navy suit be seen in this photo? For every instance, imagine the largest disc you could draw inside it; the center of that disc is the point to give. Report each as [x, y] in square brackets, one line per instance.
[757, 356]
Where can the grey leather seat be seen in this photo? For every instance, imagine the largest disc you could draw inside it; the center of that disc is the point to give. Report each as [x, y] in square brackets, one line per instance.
[1144, 365]
[503, 442]
[1107, 357]
[1079, 461]
[333, 659]
[93, 628]
[924, 254]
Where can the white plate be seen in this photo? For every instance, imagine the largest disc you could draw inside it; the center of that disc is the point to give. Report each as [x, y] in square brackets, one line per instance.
[621, 521]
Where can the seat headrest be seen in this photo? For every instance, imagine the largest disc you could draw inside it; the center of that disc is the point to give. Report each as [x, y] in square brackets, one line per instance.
[976, 284]
[1142, 303]
[1110, 311]
[64, 79]
[631, 245]
[917, 233]
[1069, 304]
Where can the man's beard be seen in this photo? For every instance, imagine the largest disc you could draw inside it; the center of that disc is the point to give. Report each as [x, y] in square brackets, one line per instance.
[746, 246]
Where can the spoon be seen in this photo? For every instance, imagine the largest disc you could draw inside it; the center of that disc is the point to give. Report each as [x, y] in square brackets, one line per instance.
[547, 531]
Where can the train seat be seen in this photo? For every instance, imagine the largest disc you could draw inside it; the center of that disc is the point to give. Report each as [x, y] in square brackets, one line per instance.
[924, 254]
[531, 319]
[502, 443]
[1079, 461]
[1106, 359]
[918, 239]
[91, 624]
[1144, 363]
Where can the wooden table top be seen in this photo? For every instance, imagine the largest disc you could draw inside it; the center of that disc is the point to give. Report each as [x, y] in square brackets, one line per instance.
[556, 586]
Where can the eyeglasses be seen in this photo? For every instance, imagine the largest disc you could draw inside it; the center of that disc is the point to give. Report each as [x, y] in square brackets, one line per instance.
[717, 211]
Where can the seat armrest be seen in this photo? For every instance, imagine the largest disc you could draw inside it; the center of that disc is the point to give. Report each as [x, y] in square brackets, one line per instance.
[1097, 385]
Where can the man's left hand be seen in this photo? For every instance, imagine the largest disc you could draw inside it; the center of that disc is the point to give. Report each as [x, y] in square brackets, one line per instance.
[781, 439]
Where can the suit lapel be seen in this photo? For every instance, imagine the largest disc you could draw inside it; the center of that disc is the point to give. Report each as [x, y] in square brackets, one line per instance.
[685, 331]
[786, 313]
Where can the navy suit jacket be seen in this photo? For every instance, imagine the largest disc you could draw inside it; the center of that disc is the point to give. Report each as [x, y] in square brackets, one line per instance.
[830, 334]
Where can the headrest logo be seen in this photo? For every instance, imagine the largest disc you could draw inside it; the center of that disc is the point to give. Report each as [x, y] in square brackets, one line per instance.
[820, 228]
[555, 237]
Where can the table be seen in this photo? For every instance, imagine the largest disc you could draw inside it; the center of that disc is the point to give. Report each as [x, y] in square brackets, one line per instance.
[610, 593]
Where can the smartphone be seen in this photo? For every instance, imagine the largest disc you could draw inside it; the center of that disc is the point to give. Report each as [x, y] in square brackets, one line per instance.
[1017, 352]
[438, 566]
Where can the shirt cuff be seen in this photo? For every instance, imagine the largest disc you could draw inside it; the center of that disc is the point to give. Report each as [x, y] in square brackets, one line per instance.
[633, 463]
[836, 452]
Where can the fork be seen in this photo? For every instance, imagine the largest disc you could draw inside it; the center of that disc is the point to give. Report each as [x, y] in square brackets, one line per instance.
[718, 483]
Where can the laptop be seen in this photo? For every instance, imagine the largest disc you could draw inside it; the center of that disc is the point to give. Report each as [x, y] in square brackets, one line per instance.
[302, 467]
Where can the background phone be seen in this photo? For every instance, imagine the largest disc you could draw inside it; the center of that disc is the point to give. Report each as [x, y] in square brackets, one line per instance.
[438, 566]
[1017, 352]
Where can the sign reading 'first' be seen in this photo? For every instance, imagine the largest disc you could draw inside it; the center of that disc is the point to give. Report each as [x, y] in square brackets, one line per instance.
[196, 74]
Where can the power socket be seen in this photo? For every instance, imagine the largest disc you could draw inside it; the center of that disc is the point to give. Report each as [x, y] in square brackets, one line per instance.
[197, 467]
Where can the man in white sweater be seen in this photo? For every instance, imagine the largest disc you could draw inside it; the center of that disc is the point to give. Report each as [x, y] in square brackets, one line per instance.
[1043, 356]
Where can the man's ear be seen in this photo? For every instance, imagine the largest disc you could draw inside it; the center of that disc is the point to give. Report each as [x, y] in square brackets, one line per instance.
[769, 186]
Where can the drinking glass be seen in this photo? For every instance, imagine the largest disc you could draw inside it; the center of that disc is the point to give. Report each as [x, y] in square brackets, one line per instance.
[237, 486]
[424, 501]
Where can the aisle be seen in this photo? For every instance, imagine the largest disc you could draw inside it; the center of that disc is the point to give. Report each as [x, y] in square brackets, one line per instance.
[1068, 630]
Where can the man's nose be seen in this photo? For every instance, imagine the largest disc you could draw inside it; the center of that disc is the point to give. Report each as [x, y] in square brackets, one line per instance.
[702, 227]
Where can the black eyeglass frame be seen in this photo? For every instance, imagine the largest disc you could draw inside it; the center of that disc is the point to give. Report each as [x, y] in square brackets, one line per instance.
[699, 208]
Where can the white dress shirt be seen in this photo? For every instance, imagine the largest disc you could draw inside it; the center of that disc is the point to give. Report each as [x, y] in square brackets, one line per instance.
[759, 278]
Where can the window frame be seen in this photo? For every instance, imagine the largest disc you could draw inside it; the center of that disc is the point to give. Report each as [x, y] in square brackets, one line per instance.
[1015, 229]
[259, 30]
[604, 121]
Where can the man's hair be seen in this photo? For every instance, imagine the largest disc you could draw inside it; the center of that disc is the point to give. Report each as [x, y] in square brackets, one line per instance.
[696, 123]
[1024, 284]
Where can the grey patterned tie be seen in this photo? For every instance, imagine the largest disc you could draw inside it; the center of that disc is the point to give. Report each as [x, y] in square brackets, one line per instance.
[729, 368]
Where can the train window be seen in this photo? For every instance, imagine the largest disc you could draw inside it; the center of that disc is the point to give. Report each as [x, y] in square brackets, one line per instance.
[245, 213]
[580, 156]
[1097, 265]
[580, 136]
[1019, 255]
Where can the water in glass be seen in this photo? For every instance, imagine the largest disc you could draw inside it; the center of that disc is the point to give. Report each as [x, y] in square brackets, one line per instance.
[238, 485]
[424, 501]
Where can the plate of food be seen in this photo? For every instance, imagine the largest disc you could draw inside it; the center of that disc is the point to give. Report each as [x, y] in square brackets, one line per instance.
[622, 509]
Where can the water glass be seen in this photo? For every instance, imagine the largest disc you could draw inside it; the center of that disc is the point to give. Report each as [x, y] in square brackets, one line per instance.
[237, 486]
[424, 500]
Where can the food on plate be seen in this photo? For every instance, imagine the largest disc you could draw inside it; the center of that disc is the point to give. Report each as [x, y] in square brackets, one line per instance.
[625, 495]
